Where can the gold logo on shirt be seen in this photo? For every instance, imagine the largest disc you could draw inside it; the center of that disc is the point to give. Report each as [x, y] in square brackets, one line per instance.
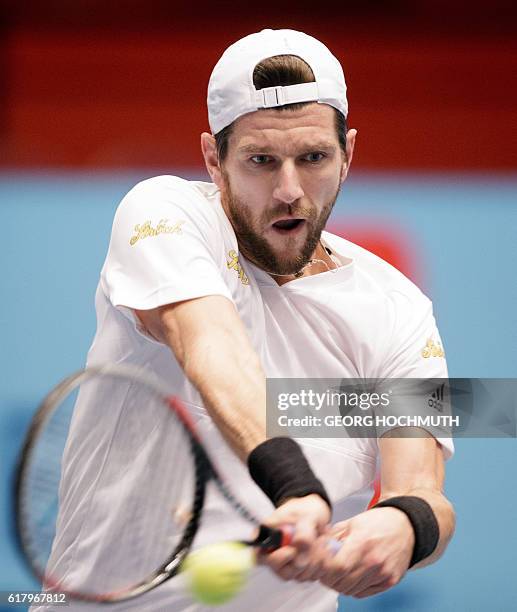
[432, 350]
[146, 230]
[234, 264]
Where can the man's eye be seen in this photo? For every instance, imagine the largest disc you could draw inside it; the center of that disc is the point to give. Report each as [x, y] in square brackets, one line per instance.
[260, 160]
[314, 157]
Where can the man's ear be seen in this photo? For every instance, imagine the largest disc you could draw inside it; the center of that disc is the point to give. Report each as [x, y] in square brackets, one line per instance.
[209, 150]
[350, 144]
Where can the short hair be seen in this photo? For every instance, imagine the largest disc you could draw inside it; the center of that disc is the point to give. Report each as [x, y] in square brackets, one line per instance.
[281, 70]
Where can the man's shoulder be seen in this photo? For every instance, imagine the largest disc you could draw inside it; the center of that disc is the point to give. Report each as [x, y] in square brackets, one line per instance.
[384, 275]
[161, 196]
[169, 185]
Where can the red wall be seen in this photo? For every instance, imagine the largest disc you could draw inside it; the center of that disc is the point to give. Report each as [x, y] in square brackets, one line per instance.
[118, 97]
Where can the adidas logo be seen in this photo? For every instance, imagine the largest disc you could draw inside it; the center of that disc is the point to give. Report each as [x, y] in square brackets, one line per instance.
[436, 400]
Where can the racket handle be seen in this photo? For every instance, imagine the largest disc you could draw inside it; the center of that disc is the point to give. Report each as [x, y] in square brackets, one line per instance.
[287, 532]
[272, 539]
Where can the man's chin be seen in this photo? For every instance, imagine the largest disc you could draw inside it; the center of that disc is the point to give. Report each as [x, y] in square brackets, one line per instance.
[278, 255]
[292, 245]
[282, 267]
[278, 264]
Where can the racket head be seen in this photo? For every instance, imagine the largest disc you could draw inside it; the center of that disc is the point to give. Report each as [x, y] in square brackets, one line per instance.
[46, 484]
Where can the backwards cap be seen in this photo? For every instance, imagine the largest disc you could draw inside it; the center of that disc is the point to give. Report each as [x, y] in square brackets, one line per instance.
[231, 92]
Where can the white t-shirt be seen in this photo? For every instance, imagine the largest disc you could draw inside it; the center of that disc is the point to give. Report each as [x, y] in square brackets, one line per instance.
[171, 241]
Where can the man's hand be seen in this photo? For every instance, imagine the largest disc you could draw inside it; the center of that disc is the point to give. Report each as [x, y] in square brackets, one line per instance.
[376, 550]
[303, 558]
[378, 544]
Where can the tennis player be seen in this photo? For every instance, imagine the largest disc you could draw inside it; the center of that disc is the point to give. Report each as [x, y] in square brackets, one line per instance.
[213, 286]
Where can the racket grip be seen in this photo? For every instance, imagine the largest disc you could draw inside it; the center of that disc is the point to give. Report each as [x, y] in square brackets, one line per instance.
[287, 532]
[270, 539]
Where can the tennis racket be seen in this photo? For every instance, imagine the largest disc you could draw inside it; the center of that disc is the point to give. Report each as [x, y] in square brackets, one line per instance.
[53, 489]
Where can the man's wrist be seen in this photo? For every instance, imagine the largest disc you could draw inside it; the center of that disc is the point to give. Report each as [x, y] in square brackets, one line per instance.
[422, 519]
[279, 467]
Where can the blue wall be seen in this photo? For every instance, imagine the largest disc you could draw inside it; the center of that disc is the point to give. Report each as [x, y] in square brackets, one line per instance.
[54, 234]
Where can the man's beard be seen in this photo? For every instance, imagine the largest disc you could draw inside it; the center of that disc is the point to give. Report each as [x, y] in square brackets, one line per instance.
[257, 249]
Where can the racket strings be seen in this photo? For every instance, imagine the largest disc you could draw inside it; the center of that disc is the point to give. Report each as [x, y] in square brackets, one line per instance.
[157, 508]
[38, 492]
[112, 486]
[125, 534]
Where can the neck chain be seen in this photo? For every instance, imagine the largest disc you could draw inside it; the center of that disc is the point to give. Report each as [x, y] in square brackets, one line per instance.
[310, 263]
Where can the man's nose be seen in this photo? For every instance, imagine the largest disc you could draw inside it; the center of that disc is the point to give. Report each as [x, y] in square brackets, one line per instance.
[287, 185]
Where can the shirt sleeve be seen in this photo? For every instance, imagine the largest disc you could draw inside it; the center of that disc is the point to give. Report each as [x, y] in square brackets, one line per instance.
[416, 352]
[165, 247]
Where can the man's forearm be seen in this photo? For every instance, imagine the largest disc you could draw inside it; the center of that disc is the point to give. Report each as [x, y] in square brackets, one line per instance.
[237, 403]
[218, 359]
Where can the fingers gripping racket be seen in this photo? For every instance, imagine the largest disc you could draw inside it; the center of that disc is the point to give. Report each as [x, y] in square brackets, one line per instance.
[61, 501]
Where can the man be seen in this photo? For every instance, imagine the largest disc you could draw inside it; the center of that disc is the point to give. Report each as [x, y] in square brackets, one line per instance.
[213, 286]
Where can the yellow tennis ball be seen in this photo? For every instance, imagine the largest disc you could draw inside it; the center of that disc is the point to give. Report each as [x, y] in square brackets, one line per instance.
[218, 572]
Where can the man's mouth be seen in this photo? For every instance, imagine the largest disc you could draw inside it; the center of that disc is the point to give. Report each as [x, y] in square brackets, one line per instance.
[288, 226]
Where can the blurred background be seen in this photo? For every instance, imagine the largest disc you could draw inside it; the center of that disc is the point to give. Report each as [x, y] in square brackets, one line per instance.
[96, 96]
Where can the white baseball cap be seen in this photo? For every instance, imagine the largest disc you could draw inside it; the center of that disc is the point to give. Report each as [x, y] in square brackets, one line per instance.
[231, 92]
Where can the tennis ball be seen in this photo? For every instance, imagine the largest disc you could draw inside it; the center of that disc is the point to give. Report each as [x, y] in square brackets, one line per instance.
[218, 572]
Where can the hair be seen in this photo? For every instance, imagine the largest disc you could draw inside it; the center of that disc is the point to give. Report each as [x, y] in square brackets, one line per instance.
[281, 70]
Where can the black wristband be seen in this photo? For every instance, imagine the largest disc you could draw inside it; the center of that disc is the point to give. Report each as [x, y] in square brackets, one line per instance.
[423, 520]
[281, 470]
